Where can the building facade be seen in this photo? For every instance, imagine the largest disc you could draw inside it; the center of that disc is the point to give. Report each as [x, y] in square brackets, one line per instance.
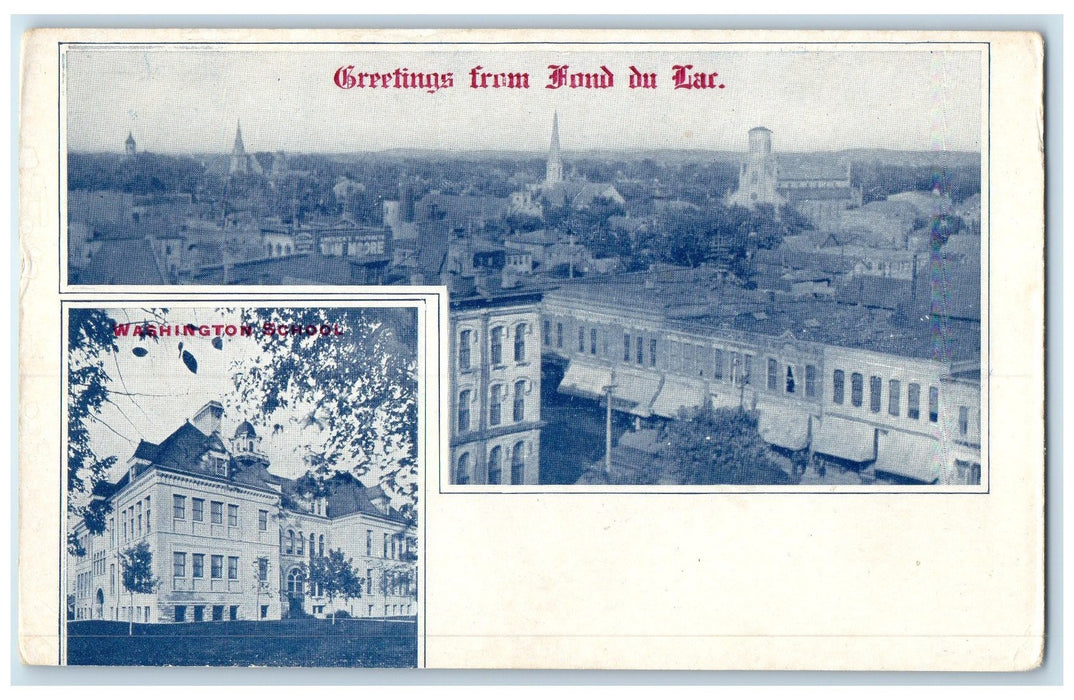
[882, 405]
[496, 388]
[232, 541]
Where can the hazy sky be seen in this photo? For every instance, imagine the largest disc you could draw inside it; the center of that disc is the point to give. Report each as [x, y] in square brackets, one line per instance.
[189, 100]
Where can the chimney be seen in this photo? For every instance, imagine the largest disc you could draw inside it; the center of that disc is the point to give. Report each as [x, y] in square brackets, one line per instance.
[208, 418]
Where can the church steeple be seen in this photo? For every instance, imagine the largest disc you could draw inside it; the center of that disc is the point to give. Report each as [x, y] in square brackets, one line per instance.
[238, 153]
[554, 169]
[129, 146]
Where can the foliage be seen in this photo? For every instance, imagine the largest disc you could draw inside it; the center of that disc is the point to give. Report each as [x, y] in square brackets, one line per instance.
[90, 342]
[336, 576]
[136, 567]
[720, 446]
[354, 394]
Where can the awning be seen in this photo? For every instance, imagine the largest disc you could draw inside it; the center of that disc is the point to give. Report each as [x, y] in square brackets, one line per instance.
[726, 396]
[784, 427]
[845, 439]
[914, 456]
[588, 381]
[675, 395]
[637, 390]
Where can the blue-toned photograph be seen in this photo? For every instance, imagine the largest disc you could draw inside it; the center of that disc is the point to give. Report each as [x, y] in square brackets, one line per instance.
[242, 486]
[734, 267]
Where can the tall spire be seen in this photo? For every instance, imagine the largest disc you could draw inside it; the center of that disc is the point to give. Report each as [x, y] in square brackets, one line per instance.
[554, 168]
[239, 148]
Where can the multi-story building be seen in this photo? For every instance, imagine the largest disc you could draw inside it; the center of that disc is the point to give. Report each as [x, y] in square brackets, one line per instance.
[859, 386]
[231, 540]
[496, 386]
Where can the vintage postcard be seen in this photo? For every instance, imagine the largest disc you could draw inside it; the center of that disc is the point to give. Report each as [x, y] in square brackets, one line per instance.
[736, 317]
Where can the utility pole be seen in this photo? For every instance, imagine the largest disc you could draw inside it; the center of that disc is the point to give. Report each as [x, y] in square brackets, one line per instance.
[610, 389]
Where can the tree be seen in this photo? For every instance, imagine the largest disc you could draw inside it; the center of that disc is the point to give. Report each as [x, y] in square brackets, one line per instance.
[136, 568]
[261, 584]
[354, 395]
[720, 446]
[336, 576]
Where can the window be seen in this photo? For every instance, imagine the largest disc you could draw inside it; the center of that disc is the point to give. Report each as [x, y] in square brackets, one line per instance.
[199, 613]
[386, 538]
[148, 519]
[717, 366]
[264, 612]
[857, 387]
[518, 463]
[289, 548]
[497, 345]
[464, 349]
[838, 380]
[111, 532]
[320, 548]
[810, 382]
[369, 582]
[747, 371]
[559, 335]
[179, 564]
[773, 372]
[546, 333]
[178, 507]
[262, 520]
[893, 397]
[180, 613]
[199, 566]
[464, 410]
[233, 612]
[301, 543]
[592, 341]
[519, 406]
[296, 582]
[232, 515]
[216, 512]
[913, 401]
[495, 465]
[874, 393]
[581, 339]
[232, 568]
[216, 564]
[197, 509]
[138, 509]
[626, 347]
[111, 578]
[790, 379]
[934, 404]
[652, 352]
[520, 342]
[639, 349]
[963, 420]
[462, 476]
[262, 569]
[495, 401]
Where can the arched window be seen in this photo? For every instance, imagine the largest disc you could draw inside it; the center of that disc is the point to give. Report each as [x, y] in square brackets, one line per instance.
[495, 407]
[296, 582]
[497, 346]
[496, 465]
[320, 548]
[518, 462]
[520, 342]
[301, 543]
[462, 469]
[290, 542]
[519, 407]
[464, 410]
[313, 542]
[464, 349]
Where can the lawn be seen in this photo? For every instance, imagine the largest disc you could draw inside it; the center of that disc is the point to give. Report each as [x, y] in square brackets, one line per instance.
[300, 642]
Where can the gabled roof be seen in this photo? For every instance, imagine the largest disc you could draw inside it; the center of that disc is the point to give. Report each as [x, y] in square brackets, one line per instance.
[347, 495]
